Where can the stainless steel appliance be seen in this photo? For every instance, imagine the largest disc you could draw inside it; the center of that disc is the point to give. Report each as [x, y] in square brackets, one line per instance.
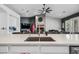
[74, 49]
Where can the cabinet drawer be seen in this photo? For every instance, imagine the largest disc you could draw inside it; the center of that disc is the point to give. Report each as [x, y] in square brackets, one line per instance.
[55, 49]
[3, 49]
[24, 49]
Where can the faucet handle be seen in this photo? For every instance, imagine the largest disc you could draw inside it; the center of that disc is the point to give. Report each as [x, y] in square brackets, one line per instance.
[46, 33]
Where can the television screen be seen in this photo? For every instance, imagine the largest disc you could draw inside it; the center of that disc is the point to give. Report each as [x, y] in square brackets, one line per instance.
[25, 26]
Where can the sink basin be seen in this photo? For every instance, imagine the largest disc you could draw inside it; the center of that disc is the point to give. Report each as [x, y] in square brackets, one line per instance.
[39, 39]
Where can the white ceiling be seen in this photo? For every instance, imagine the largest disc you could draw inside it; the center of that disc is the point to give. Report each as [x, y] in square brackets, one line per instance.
[59, 10]
[2, 11]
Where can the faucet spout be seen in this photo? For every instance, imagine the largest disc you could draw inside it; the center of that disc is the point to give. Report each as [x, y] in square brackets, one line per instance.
[46, 33]
[39, 31]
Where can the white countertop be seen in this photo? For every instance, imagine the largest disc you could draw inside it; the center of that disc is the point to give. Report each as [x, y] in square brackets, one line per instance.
[61, 39]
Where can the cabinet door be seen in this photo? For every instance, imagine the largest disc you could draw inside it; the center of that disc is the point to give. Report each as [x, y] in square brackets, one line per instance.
[14, 22]
[3, 49]
[3, 23]
[24, 49]
[69, 26]
[72, 25]
[55, 49]
[75, 25]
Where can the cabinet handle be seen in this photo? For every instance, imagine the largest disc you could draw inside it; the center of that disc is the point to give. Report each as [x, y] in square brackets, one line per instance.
[25, 53]
[3, 28]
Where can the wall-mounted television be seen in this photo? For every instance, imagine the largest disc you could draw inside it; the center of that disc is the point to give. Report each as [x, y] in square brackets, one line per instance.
[25, 26]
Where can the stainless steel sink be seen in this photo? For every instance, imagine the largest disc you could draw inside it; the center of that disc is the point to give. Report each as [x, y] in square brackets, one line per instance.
[39, 39]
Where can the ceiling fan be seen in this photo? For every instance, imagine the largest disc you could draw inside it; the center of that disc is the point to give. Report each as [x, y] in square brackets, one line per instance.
[45, 9]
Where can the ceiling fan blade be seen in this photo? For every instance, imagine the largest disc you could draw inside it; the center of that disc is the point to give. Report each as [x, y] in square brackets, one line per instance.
[48, 8]
[43, 9]
[48, 11]
[39, 10]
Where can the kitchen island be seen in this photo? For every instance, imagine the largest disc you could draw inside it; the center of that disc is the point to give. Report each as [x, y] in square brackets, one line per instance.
[15, 44]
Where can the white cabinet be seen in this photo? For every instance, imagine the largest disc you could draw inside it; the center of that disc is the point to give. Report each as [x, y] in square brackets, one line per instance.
[13, 21]
[39, 49]
[24, 49]
[55, 49]
[34, 49]
[3, 49]
[76, 24]
[72, 25]
[68, 26]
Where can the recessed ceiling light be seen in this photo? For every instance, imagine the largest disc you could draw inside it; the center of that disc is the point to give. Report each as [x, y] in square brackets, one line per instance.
[64, 11]
[27, 11]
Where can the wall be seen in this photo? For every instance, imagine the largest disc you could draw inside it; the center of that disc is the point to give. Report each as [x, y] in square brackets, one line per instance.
[53, 23]
[25, 20]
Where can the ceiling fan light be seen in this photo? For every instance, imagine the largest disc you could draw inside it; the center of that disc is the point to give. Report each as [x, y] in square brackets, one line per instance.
[48, 8]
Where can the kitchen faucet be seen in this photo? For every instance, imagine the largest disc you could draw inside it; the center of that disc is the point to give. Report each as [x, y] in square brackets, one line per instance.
[39, 30]
[46, 33]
